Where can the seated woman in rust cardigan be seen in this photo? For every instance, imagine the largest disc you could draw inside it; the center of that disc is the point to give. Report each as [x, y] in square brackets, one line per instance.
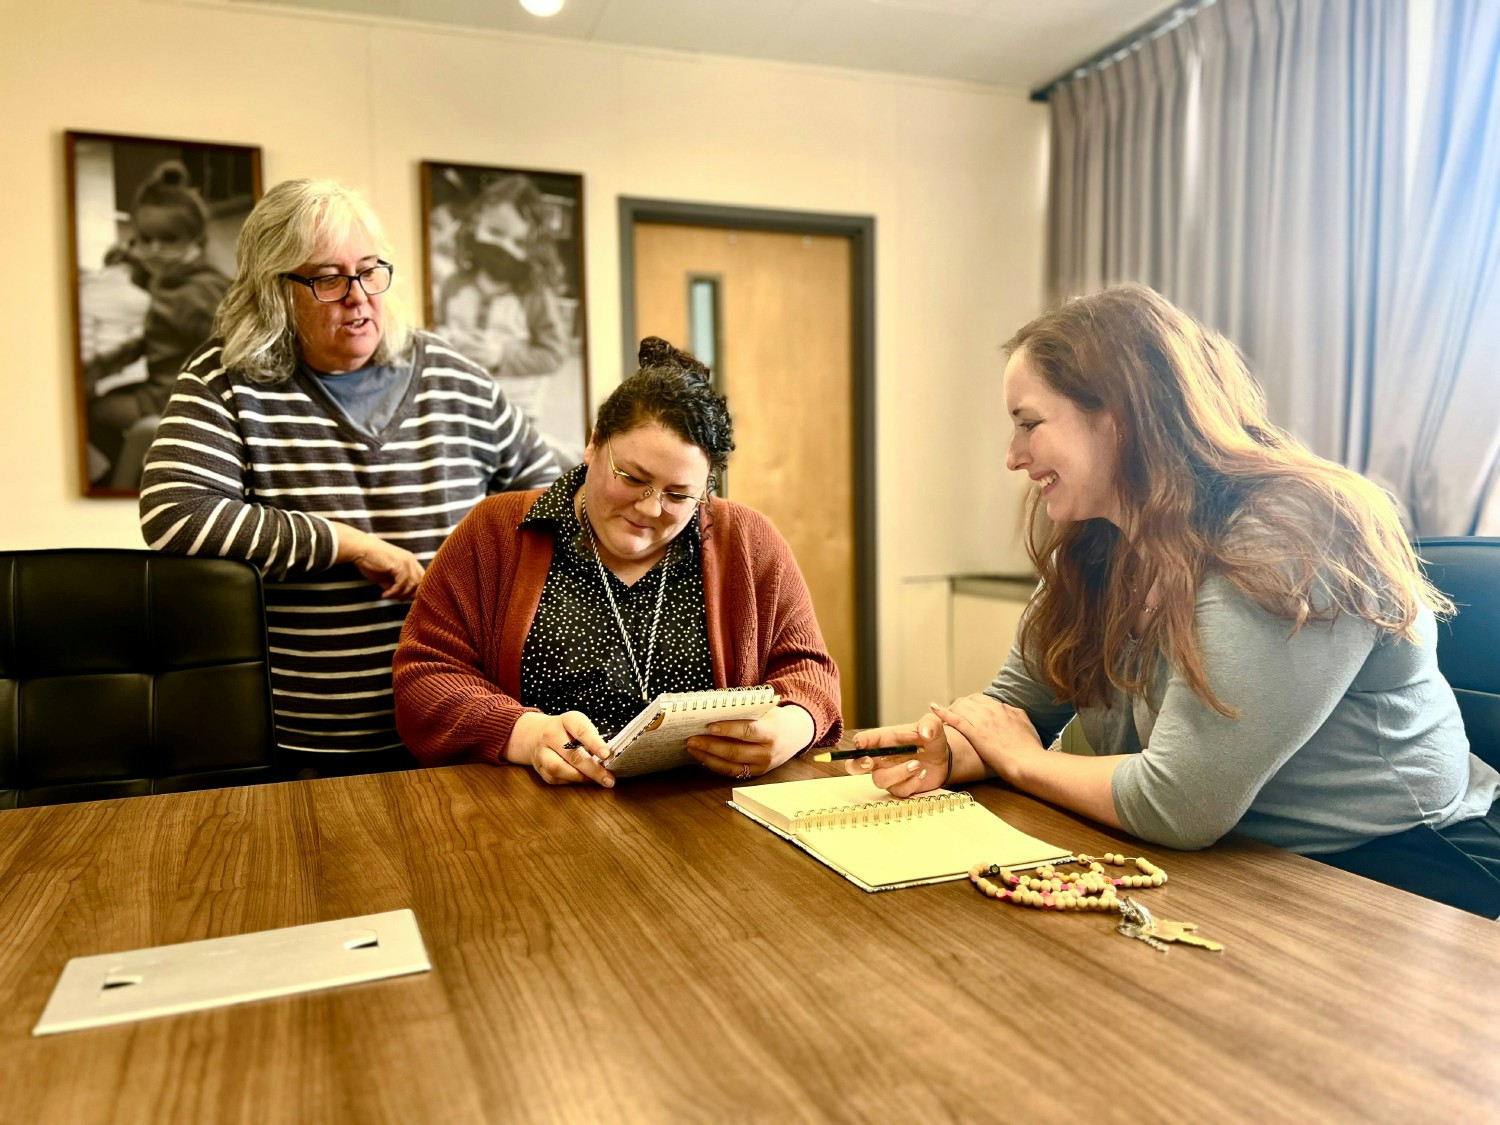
[548, 618]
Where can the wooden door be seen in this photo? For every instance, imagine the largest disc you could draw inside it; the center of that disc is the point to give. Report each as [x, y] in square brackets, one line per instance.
[784, 358]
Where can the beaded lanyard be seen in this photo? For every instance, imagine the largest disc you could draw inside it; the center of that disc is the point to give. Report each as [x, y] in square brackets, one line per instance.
[1050, 889]
[642, 681]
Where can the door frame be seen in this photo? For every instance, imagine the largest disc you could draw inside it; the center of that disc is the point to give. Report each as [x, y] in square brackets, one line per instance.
[860, 231]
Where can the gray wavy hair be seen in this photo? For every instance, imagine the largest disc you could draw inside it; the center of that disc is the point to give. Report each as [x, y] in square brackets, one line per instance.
[289, 226]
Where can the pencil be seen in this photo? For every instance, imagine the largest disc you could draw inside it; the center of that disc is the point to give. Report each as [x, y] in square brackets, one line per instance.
[877, 752]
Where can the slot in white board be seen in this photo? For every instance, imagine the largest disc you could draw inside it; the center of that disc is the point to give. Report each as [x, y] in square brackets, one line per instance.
[141, 984]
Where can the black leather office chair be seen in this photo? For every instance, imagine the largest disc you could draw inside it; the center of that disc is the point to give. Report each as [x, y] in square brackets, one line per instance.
[1467, 569]
[124, 673]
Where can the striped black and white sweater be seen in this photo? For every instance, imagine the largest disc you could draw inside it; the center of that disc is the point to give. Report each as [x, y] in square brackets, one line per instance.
[257, 472]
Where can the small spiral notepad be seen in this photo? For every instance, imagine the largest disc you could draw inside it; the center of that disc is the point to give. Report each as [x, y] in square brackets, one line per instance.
[879, 842]
[656, 739]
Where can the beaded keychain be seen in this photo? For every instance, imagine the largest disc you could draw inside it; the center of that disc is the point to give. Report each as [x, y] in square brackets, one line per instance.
[1050, 889]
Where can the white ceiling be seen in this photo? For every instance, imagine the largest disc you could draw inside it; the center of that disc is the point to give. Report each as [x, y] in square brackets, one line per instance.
[1000, 42]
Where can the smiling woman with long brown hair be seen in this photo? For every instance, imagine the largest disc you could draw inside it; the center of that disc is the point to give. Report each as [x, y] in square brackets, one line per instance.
[1230, 633]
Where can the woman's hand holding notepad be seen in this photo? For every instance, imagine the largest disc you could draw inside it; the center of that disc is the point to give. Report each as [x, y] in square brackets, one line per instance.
[746, 748]
[656, 739]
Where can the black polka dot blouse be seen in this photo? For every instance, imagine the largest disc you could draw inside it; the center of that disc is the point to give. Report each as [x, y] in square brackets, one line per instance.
[575, 659]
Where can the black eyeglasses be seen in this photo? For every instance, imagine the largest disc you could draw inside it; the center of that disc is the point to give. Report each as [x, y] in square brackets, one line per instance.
[331, 287]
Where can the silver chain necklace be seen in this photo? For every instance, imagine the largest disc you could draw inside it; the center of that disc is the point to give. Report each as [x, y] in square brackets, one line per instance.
[643, 681]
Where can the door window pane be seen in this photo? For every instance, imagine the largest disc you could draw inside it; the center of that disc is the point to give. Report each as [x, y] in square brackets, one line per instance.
[703, 321]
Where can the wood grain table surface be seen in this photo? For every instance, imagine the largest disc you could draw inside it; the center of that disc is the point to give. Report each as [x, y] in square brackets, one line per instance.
[647, 954]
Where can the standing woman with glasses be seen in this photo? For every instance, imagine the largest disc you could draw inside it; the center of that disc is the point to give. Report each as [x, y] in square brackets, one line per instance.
[550, 618]
[320, 437]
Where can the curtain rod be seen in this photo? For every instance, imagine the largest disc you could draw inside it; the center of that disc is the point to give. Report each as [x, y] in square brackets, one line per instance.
[1124, 45]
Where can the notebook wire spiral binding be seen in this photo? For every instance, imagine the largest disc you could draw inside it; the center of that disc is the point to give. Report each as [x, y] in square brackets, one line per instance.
[716, 699]
[859, 816]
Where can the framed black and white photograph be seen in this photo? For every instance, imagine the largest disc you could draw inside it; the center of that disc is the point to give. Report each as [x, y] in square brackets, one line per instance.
[504, 256]
[152, 227]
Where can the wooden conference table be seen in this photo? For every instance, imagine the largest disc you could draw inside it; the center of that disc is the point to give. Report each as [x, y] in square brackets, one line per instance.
[649, 954]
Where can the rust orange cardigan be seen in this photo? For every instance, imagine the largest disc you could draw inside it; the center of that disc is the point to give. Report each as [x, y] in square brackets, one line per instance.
[457, 670]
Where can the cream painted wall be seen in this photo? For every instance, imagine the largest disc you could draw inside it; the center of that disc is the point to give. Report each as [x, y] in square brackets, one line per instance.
[954, 175]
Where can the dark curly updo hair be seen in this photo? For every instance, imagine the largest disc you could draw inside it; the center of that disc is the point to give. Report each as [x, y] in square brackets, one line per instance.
[674, 389]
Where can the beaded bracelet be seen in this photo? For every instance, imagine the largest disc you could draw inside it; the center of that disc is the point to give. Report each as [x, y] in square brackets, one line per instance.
[1049, 889]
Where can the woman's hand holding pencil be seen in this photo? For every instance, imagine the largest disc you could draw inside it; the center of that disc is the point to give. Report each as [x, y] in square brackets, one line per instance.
[904, 760]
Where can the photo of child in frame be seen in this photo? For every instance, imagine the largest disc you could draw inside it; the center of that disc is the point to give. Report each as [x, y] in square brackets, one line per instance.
[504, 273]
[154, 227]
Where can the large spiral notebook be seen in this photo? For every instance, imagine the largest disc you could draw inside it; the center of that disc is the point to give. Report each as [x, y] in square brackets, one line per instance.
[879, 842]
[656, 739]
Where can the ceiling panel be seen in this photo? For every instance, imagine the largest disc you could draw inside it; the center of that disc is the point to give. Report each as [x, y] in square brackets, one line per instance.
[722, 27]
[997, 46]
[858, 33]
[1002, 42]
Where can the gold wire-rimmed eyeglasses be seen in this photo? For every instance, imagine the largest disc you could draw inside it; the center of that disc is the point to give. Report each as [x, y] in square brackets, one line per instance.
[668, 499]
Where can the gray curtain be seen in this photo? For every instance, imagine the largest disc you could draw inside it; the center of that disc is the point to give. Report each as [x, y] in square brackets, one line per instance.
[1435, 434]
[1248, 165]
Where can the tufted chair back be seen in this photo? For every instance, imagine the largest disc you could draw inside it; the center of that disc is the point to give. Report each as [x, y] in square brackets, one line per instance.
[1467, 569]
[124, 673]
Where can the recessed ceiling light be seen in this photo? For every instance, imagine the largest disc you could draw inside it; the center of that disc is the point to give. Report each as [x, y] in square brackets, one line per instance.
[542, 7]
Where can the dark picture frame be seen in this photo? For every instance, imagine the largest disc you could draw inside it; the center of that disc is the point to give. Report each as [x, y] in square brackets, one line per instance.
[152, 224]
[503, 254]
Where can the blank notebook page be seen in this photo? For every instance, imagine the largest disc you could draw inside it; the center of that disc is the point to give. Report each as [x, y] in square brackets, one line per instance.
[882, 842]
[925, 848]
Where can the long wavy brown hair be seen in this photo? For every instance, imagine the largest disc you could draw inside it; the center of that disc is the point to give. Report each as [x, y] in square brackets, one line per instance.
[1207, 485]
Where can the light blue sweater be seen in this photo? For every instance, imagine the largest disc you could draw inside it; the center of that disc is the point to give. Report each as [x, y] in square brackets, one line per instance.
[1346, 734]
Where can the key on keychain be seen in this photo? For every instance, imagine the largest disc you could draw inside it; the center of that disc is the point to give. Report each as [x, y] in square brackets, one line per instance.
[1135, 922]
[1164, 929]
